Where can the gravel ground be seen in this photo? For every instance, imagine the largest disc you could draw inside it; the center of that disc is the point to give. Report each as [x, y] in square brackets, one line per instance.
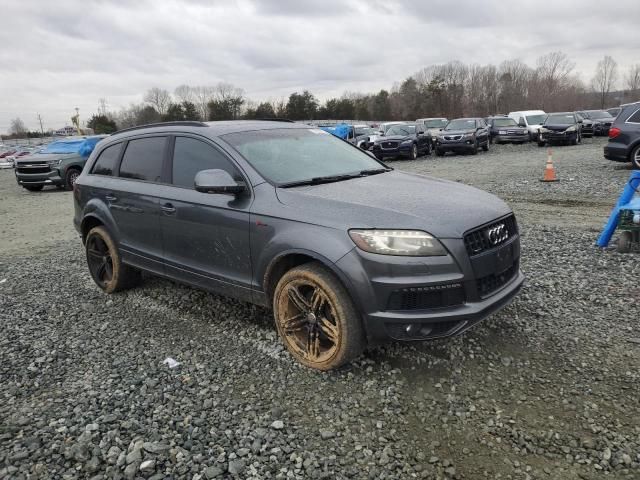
[547, 388]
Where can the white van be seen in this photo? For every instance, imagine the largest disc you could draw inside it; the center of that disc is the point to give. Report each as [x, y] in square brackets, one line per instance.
[530, 119]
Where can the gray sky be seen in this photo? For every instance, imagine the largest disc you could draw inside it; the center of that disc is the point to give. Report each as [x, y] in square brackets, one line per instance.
[57, 55]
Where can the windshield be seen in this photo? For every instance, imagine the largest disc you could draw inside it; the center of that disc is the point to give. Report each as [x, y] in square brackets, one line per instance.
[438, 123]
[564, 119]
[461, 125]
[535, 119]
[401, 130]
[294, 154]
[598, 114]
[504, 122]
[365, 131]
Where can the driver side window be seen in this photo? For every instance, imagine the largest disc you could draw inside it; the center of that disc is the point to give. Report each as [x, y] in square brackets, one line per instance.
[190, 156]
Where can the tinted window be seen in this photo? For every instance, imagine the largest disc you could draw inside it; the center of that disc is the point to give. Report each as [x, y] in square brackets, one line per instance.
[107, 160]
[635, 118]
[191, 156]
[142, 159]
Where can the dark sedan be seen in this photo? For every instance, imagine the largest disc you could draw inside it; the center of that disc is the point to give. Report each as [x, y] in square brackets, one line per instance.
[561, 128]
[506, 130]
[624, 136]
[602, 120]
[405, 140]
[464, 135]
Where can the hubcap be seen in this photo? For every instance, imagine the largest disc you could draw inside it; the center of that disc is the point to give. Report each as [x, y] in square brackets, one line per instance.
[636, 157]
[99, 260]
[308, 322]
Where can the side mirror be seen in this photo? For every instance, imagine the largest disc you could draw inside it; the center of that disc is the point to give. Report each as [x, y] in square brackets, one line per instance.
[580, 121]
[217, 181]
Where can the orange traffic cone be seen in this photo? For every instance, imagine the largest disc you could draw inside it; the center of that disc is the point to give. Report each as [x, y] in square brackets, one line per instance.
[549, 171]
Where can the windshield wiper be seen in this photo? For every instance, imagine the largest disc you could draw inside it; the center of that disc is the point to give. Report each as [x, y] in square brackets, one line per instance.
[334, 178]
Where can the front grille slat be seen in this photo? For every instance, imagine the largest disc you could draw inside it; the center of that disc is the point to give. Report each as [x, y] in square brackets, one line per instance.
[425, 298]
[495, 281]
[477, 241]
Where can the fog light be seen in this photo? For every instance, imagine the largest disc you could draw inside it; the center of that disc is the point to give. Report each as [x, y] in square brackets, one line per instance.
[411, 329]
[425, 331]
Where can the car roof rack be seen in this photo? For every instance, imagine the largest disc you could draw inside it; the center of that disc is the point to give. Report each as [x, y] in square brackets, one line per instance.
[184, 123]
[285, 120]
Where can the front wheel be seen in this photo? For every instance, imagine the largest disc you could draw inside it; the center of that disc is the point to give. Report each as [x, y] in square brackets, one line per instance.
[70, 178]
[413, 154]
[439, 152]
[105, 264]
[316, 319]
[541, 144]
[485, 147]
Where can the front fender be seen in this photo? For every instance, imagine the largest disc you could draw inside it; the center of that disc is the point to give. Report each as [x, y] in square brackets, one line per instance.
[96, 209]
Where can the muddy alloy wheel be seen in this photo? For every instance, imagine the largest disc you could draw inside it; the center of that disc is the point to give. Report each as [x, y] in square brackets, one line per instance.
[316, 318]
[103, 259]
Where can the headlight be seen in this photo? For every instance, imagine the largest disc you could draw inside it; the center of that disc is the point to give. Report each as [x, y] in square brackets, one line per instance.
[544, 130]
[571, 129]
[407, 142]
[413, 243]
[54, 163]
[468, 135]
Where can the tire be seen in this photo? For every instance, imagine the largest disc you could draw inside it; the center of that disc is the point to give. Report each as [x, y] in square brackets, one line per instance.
[541, 144]
[70, 178]
[105, 265]
[439, 152]
[485, 147]
[33, 188]
[635, 157]
[624, 242]
[414, 152]
[474, 149]
[316, 319]
[427, 152]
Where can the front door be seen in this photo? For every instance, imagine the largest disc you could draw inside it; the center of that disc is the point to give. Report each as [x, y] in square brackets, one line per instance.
[205, 236]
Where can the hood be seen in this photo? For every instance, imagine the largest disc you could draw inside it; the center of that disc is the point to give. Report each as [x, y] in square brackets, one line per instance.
[395, 200]
[394, 138]
[457, 132]
[558, 127]
[512, 128]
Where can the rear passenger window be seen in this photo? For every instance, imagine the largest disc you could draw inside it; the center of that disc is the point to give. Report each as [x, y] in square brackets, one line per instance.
[635, 118]
[107, 160]
[191, 156]
[142, 159]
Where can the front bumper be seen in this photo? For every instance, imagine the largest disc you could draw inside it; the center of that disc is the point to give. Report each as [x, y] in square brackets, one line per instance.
[462, 145]
[424, 298]
[400, 151]
[558, 137]
[43, 175]
[509, 138]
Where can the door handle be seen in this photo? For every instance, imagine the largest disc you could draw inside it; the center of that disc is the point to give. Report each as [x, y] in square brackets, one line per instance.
[111, 198]
[168, 208]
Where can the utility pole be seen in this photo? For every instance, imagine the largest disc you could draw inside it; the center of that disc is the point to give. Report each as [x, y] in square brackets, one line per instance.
[40, 120]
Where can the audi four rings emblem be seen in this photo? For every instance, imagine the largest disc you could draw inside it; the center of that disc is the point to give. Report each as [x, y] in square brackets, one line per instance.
[498, 234]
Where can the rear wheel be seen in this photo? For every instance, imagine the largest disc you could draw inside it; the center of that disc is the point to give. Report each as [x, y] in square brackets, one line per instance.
[635, 157]
[34, 188]
[105, 264]
[474, 149]
[439, 152]
[485, 147]
[316, 318]
[70, 178]
[624, 242]
[541, 144]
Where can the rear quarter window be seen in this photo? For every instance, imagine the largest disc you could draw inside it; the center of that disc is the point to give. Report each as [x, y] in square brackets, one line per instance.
[143, 159]
[635, 117]
[106, 162]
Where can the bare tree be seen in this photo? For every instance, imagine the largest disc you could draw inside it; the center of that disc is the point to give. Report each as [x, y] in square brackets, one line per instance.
[633, 79]
[17, 127]
[159, 99]
[184, 93]
[203, 95]
[605, 77]
[552, 72]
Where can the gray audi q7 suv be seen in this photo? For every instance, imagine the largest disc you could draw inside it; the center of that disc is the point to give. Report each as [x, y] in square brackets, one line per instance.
[347, 251]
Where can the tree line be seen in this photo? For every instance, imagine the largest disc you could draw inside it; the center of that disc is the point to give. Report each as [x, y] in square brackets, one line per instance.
[446, 90]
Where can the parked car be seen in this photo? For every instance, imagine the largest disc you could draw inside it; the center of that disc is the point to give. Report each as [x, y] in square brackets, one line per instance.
[601, 119]
[463, 135]
[531, 120]
[383, 127]
[403, 140]
[285, 215]
[560, 127]
[433, 125]
[365, 136]
[614, 111]
[586, 126]
[8, 153]
[624, 136]
[506, 130]
[59, 163]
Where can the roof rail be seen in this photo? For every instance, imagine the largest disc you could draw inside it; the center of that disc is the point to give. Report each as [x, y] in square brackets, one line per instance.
[285, 120]
[184, 123]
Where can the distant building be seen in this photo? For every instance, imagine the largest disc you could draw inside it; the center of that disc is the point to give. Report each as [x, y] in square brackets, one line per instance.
[66, 131]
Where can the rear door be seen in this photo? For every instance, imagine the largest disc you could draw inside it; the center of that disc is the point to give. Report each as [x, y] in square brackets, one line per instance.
[206, 236]
[133, 201]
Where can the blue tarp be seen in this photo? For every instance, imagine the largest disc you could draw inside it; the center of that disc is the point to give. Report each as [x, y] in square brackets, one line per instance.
[340, 130]
[81, 146]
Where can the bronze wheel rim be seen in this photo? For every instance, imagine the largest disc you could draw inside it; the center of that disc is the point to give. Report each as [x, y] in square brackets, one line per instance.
[308, 322]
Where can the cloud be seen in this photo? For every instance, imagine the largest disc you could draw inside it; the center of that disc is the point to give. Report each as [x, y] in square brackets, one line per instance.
[70, 53]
